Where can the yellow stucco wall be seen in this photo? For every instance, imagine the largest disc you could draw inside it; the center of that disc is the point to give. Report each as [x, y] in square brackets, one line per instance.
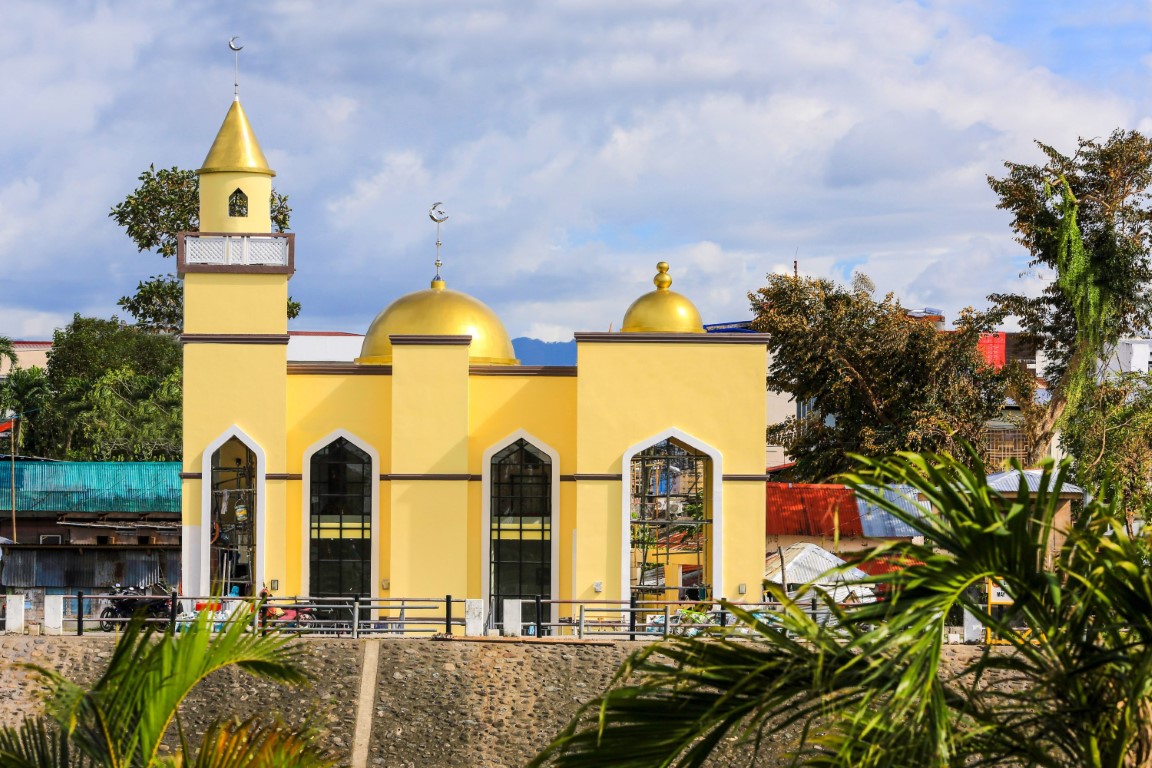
[216, 188]
[235, 303]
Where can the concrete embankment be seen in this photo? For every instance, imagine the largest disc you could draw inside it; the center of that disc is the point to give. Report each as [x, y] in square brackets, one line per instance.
[432, 704]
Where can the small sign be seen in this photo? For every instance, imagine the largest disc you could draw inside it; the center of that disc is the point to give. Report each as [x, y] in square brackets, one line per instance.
[997, 595]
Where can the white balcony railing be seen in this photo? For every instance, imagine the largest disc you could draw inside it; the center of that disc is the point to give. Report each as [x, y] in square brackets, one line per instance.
[236, 250]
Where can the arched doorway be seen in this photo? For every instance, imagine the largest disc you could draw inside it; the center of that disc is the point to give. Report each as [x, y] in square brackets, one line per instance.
[520, 527]
[670, 530]
[340, 521]
[233, 508]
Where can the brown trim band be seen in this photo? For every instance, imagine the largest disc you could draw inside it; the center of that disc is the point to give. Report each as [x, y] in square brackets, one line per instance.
[425, 340]
[191, 475]
[522, 370]
[745, 478]
[283, 476]
[445, 476]
[337, 369]
[604, 337]
[597, 476]
[234, 338]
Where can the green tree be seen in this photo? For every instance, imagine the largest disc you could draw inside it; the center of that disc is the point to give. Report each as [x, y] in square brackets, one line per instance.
[1086, 217]
[8, 352]
[878, 381]
[1110, 436]
[867, 687]
[26, 393]
[121, 719]
[165, 204]
[111, 385]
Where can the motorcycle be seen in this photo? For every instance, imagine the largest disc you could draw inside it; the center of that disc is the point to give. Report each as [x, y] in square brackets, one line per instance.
[133, 600]
[302, 617]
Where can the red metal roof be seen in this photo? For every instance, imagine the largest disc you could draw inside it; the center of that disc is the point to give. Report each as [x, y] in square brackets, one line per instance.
[812, 510]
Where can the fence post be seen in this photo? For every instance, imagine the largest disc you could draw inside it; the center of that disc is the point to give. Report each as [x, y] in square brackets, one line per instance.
[173, 609]
[539, 624]
[580, 628]
[632, 616]
[79, 613]
[14, 605]
[53, 614]
[447, 614]
[356, 617]
[723, 620]
[667, 619]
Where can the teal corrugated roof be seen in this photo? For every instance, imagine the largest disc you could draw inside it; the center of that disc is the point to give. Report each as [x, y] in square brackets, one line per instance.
[92, 486]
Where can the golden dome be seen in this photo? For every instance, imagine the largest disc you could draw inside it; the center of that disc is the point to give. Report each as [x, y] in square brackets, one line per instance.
[662, 310]
[439, 311]
[236, 147]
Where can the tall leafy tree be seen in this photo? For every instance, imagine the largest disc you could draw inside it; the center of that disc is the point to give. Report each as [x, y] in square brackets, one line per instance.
[121, 719]
[867, 687]
[112, 389]
[8, 352]
[877, 380]
[1087, 217]
[165, 204]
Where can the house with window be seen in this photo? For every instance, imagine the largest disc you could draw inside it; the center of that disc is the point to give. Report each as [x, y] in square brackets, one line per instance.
[430, 461]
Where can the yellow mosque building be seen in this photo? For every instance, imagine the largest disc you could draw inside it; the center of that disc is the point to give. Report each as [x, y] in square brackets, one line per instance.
[434, 463]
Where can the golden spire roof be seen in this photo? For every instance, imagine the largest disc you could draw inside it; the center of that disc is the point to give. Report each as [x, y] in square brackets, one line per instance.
[662, 310]
[439, 311]
[236, 147]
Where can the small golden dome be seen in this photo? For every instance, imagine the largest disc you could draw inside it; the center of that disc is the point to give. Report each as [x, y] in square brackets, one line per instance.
[662, 310]
[439, 311]
[236, 147]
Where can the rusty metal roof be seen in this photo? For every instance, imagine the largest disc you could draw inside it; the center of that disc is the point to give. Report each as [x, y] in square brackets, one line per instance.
[812, 510]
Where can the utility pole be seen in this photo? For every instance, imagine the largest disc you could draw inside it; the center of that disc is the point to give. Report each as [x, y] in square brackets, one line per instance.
[12, 457]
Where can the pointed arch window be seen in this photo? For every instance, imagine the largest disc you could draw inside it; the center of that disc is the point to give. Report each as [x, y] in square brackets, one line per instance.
[340, 524]
[671, 525]
[232, 554]
[238, 203]
[521, 526]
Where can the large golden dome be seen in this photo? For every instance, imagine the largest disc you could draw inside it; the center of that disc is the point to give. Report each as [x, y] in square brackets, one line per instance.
[662, 310]
[439, 311]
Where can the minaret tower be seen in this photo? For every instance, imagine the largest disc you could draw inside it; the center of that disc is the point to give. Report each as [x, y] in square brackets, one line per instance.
[235, 272]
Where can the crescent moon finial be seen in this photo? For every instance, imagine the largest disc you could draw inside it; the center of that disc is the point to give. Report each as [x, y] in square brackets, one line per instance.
[437, 214]
[236, 55]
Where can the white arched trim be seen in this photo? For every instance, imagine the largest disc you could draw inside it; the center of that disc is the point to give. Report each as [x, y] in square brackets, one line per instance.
[206, 505]
[306, 508]
[717, 508]
[486, 513]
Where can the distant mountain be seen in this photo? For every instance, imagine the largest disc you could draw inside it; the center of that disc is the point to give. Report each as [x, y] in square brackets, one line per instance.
[536, 352]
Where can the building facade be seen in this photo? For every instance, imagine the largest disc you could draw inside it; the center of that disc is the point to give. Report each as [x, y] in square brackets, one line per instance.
[434, 463]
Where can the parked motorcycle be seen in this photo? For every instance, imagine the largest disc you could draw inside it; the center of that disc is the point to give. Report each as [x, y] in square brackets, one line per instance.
[133, 600]
[302, 617]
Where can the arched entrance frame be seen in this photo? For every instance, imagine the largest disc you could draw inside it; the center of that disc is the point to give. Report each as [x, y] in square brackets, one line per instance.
[306, 508]
[486, 512]
[206, 504]
[717, 484]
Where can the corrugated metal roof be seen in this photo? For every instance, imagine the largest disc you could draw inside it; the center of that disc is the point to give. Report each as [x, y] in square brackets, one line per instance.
[811, 510]
[82, 567]
[1009, 482]
[808, 563]
[880, 523]
[93, 486]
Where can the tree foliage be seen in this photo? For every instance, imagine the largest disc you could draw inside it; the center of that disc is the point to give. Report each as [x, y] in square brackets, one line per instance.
[114, 393]
[868, 687]
[166, 203]
[26, 393]
[877, 380]
[1086, 217]
[1110, 436]
[121, 719]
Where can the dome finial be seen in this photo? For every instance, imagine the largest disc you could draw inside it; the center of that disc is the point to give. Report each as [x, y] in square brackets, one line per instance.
[437, 214]
[232, 46]
[663, 280]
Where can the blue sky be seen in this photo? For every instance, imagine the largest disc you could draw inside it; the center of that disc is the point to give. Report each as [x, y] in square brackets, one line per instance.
[574, 143]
